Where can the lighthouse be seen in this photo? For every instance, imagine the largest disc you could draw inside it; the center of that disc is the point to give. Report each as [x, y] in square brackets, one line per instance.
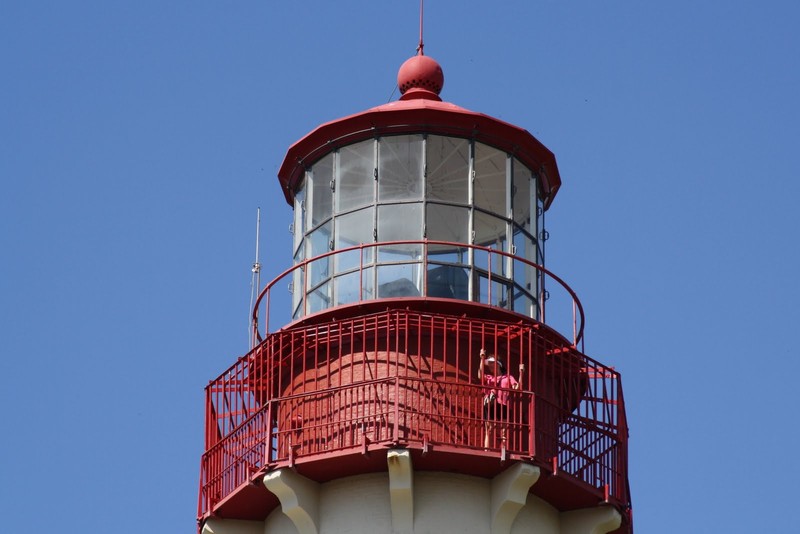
[427, 373]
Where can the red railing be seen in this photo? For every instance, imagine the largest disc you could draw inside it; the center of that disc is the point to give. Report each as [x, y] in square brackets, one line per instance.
[484, 261]
[409, 378]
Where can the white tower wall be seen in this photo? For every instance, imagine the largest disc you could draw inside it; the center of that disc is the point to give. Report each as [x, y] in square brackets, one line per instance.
[401, 501]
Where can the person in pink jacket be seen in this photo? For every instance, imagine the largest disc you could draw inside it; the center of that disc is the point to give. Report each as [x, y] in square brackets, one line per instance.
[496, 382]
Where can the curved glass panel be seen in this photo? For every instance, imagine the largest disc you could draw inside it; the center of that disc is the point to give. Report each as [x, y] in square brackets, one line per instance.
[320, 198]
[400, 168]
[447, 169]
[490, 231]
[319, 298]
[353, 229]
[298, 226]
[523, 202]
[447, 223]
[353, 287]
[355, 182]
[317, 243]
[490, 179]
[402, 280]
[399, 222]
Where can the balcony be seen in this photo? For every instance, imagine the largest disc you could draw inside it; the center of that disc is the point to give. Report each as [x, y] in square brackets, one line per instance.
[329, 395]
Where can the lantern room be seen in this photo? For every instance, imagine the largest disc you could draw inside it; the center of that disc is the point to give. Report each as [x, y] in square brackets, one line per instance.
[422, 177]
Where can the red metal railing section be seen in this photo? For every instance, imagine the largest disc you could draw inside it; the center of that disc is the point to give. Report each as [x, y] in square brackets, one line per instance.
[409, 378]
[492, 277]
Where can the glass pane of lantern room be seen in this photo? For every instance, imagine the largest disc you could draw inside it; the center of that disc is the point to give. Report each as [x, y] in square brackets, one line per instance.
[319, 299]
[447, 169]
[401, 280]
[298, 227]
[320, 197]
[490, 179]
[298, 292]
[522, 196]
[447, 223]
[350, 230]
[523, 202]
[355, 182]
[400, 168]
[495, 293]
[491, 232]
[318, 242]
[400, 222]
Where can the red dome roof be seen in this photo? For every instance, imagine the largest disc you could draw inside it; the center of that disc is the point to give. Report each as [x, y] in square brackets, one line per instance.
[420, 74]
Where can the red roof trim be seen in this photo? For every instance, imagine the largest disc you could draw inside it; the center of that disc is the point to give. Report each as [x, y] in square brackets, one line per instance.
[420, 116]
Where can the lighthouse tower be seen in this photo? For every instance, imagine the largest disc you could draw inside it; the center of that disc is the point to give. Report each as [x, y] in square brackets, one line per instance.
[427, 373]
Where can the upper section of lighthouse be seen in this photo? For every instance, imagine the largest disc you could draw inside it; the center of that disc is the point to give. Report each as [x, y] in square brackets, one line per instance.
[420, 110]
[418, 198]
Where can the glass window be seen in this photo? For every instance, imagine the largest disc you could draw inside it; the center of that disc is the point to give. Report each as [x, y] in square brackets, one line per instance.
[400, 168]
[490, 179]
[319, 299]
[318, 242]
[400, 222]
[353, 229]
[319, 201]
[447, 223]
[448, 281]
[447, 169]
[298, 228]
[499, 295]
[399, 280]
[355, 182]
[298, 290]
[522, 200]
[346, 287]
[525, 303]
[525, 276]
[490, 231]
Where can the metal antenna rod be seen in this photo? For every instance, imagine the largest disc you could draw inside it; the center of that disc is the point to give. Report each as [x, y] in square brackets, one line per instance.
[421, 46]
[255, 284]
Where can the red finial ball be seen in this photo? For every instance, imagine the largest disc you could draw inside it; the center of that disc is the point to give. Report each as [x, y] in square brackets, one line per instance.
[420, 72]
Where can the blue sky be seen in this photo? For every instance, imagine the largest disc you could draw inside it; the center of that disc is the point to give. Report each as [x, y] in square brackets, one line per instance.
[137, 140]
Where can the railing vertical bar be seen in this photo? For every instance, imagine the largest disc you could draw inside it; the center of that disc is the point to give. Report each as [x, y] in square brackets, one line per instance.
[267, 309]
[489, 278]
[574, 324]
[425, 268]
[268, 449]
[361, 272]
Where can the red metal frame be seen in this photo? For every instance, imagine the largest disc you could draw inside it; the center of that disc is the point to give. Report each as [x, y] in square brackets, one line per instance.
[577, 321]
[337, 389]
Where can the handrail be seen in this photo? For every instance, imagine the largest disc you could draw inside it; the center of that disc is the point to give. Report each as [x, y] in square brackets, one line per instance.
[264, 439]
[577, 308]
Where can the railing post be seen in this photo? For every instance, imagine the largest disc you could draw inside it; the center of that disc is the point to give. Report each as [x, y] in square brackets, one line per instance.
[542, 293]
[532, 426]
[396, 429]
[304, 295]
[489, 278]
[202, 499]
[360, 272]
[425, 267]
[574, 325]
[268, 452]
